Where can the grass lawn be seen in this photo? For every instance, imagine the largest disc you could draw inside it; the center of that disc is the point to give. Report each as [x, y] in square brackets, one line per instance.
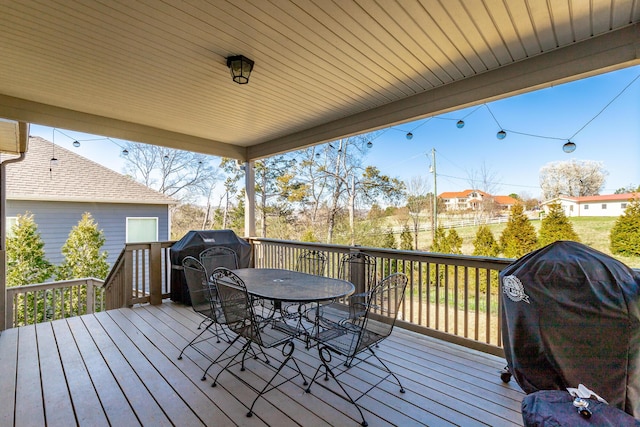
[593, 232]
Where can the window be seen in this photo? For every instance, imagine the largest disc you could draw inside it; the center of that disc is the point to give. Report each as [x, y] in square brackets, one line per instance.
[586, 207]
[604, 206]
[623, 205]
[571, 208]
[140, 229]
[10, 222]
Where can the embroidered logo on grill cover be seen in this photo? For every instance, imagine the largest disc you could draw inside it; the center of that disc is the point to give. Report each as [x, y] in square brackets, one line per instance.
[512, 286]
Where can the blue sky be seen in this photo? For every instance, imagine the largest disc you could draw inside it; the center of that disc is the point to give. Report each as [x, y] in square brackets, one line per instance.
[611, 136]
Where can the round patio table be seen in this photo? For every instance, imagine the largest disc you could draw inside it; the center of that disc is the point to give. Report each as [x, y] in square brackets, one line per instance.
[292, 286]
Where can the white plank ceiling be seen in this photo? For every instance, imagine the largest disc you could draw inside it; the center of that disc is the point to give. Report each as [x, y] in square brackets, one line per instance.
[155, 71]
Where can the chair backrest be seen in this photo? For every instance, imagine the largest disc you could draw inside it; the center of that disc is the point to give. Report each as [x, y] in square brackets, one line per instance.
[359, 269]
[203, 295]
[311, 262]
[381, 310]
[218, 256]
[237, 305]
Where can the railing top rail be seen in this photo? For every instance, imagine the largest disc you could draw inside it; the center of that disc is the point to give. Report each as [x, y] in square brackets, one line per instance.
[54, 285]
[423, 256]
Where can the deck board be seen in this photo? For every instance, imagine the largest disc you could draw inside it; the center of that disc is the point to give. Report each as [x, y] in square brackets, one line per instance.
[56, 399]
[121, 367]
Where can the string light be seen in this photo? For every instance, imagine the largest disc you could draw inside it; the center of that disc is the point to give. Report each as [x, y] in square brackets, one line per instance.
[569, 147]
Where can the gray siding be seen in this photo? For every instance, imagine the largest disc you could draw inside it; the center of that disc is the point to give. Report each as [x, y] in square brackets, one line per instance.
[55, 220]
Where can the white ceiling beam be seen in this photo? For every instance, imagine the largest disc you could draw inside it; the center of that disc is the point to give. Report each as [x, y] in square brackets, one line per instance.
[49, 115]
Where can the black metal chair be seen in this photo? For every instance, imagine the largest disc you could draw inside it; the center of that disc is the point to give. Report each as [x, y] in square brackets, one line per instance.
[354, 337]
[218, 256]
[360, 269]
[204, 300]
[357, 268]
[238, 308]
[311, 262]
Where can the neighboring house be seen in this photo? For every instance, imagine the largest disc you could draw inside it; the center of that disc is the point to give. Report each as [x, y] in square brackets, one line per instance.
[473, 200]
[605, 205]
[58, 195]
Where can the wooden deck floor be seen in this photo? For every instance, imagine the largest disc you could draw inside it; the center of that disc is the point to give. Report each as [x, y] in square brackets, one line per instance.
[120, 368]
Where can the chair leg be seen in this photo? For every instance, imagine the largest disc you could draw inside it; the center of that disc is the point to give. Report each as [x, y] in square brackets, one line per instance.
[325, 358]
[204, 375]
[195, 339]
[388, 370]
[231, 359]
[287, 351]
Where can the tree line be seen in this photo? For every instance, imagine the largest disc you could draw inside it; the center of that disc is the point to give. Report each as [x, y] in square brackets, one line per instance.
[328, 193]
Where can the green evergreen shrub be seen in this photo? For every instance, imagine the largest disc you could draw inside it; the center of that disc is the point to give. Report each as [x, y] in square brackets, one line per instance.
[82, 256]
[26, 261]
[519, 236]
[406, 239]
[625, 235]
[556, 226]
[484, 243]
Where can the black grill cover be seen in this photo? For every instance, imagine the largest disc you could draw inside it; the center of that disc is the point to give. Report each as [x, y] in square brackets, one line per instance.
[196, 241]
[572, 316]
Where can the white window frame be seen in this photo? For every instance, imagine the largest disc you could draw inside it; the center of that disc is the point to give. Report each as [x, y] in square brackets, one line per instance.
[8, 223]
[126, 236]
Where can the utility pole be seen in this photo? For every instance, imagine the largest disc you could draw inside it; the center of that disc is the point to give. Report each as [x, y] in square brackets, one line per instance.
[435, 196]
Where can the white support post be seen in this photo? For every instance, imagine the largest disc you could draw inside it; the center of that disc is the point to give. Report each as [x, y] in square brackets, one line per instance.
[250, 200]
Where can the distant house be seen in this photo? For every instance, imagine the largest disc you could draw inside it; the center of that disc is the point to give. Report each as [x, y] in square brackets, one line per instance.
[605, 205]
[59, 194]
[473, 200]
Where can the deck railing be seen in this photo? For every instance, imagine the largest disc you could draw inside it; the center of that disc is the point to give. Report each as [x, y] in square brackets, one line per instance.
[43, 302]
[141, 274]
[451, 297]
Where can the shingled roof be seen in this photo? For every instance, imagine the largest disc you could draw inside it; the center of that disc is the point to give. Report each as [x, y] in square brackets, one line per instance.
[73, 179]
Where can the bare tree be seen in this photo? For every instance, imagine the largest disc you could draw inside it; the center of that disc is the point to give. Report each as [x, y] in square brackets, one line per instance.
[417, 201]
[275, 187]
[183, 175]
[486, 180]
[572, 178]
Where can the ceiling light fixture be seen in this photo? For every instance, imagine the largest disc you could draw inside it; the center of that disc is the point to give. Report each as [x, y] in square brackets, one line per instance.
[240, 67]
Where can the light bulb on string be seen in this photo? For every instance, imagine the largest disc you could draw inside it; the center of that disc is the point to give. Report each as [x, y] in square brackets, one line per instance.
[501, 135]
[369, 144]
[317, 155]
[125, 152]
[76, 143]
[569, 147]
[460, 124]
[409, 135]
